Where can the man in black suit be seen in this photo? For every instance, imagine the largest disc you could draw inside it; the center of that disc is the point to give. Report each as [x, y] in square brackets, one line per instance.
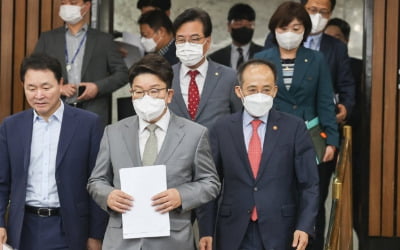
[157, 35]
[241, 18]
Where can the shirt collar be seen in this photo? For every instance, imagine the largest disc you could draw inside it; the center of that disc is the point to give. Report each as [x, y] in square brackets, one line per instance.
[83, 29]
[316, 38]
[164, 49]
[202, 69]
[162, 123]
[57, 115]
[247, 118]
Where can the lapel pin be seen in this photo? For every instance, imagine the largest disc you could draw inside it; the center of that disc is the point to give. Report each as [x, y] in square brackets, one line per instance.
[306, 60]
[275, 127]
[216, 74]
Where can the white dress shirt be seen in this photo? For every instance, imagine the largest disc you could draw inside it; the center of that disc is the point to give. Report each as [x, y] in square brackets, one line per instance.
[184, 79]
[313, 41]
[248, 129]
[161, 131]
[41, 190]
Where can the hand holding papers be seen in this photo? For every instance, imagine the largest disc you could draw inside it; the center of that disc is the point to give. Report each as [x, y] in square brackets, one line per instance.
[142, 220]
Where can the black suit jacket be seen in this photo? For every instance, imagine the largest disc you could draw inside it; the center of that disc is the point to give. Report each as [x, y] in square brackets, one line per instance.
[336, 55]
[223, 56]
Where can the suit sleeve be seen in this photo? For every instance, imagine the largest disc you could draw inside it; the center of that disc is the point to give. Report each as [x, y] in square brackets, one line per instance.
[205, 185]
[307, 180]
[207, 214]
[118, 73]
[325, 104]
[345, 85]
[100, 181]
[98, 218]
[4, 173]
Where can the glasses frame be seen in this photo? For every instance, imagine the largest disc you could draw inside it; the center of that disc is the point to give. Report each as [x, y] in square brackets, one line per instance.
[156, 92]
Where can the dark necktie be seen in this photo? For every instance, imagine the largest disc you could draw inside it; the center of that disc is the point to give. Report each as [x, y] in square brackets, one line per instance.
[194, 96]
[254, 153]
[241, 58]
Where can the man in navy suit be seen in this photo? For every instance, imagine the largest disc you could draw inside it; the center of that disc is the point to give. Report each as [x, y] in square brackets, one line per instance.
[266, 162]
[46, 156]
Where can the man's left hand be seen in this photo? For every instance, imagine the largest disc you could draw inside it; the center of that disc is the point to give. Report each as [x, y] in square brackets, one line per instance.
[90, 92]
[93, 244]
[341, 114]
[167, 200]
[300, 240]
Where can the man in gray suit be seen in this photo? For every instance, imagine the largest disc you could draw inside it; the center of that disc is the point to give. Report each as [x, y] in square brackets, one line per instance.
[92, 66]
[204, 90]
[179, 144]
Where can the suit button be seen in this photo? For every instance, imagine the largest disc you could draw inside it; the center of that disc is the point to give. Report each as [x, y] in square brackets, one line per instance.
[294, 106]
[248, 211]
[255, 189]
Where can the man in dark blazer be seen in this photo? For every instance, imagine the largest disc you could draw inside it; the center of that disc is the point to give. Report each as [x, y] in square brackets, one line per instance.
[46, 156]
[269, 198]
[89, 60]
[158, 35]
[241, 21]
[214, 82]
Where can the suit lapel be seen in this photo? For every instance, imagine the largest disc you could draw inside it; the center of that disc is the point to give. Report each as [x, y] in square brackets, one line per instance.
[236, 131]
[26, 133]
[173, 138]
[60, 52]
[176, 86]
[68, 127]
[212, 78]
[271, 138]
[89, 46]
[131, 139]
[302, 64]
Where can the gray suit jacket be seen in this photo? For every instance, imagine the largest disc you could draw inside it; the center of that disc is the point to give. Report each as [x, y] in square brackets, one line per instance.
[102, 64]
[217, 99]
[190, 169]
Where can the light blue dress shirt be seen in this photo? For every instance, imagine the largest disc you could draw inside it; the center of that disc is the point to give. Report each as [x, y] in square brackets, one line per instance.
[41, 186]
[248, 129]
[313, 42]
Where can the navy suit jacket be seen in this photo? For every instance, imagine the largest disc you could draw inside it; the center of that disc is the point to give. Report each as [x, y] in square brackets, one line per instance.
[223, 56]
[335, 52]
[311, 93]
[79, 141]
[285, 191]
[218, 97]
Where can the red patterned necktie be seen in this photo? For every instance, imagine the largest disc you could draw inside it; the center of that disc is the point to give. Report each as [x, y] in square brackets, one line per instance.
[194, 96]
[254, 153]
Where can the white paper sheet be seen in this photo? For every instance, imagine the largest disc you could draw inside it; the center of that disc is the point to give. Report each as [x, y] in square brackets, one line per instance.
[7, 247]
[142, 220]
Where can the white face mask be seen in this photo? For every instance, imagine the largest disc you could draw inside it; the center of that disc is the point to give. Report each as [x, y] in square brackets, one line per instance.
[149, 108]
[71, 14]
[149, 44]
[189, 54]
[289, 40]
[258, 105]
[318, 23]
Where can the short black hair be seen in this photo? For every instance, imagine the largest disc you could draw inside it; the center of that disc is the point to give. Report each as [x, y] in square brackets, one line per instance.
[156, 19]
[250, 62]
[333, 3]
[153, 64]
[342, 25]
[241, 11]
[158, 4]
[194, 14]
[286, 13]
[41, 61]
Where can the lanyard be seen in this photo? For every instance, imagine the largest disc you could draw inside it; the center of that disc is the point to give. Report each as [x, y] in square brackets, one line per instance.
[76, 52]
